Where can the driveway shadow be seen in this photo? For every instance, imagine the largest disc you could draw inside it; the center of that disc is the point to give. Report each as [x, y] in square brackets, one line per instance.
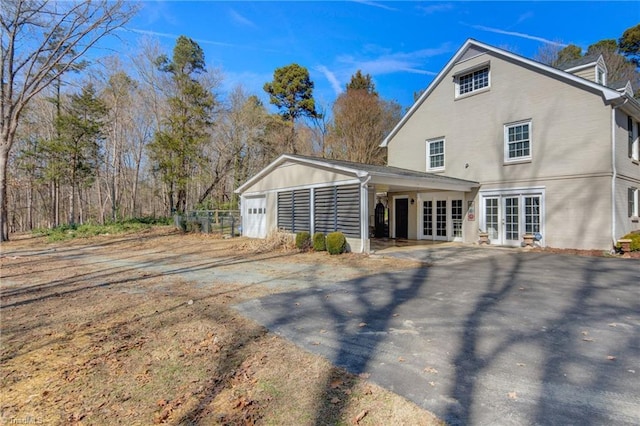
[524, 338]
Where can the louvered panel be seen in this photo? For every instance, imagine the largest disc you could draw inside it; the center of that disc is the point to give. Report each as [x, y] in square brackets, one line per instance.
[301, 210]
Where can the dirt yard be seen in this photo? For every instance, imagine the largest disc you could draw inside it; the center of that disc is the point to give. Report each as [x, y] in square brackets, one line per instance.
[140, 329]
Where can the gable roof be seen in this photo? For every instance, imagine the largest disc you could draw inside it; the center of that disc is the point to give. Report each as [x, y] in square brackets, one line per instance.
[473, 48]
[582, 62]
[363, 171]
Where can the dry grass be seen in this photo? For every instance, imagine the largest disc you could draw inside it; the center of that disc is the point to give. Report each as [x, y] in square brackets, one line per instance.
[89, 341]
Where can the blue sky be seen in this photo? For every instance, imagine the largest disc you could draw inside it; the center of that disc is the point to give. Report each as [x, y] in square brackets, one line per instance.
[403, 45]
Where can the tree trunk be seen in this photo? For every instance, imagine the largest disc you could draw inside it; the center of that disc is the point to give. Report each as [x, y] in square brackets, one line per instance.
[4, 206]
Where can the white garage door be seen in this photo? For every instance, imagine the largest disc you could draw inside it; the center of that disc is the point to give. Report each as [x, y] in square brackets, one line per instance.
[254, 220]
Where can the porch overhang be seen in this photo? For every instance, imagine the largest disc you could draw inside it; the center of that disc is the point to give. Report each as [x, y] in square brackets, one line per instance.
[396, 184]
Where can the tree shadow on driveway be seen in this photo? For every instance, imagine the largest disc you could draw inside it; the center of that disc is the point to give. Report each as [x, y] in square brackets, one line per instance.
[524, 338]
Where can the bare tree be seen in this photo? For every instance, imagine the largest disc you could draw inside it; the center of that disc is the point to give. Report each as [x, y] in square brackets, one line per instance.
[30, 62]
[361, 121]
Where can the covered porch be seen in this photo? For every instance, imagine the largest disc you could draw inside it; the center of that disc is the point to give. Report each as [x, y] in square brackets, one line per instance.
[368, 203]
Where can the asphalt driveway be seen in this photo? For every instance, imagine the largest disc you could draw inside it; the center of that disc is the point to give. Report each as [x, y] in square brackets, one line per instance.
[518, 338]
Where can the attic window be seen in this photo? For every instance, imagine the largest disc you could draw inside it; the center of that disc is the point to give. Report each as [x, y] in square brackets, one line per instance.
[601, 76]
[472, 81]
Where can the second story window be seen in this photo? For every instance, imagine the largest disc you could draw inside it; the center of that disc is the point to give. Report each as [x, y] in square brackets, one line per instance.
[517, 141]
[435, 155]
[633, 129]
[472, 81]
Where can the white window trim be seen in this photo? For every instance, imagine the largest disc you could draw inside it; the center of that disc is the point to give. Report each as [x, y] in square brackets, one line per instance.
[468, 71]
[444, 154]
[520, 193]
[526, 158]
[599, 70]
[635, 147]
[636, 201]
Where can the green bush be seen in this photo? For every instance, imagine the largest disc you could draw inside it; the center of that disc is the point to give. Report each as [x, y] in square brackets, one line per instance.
[319, 243]
[336, 243]
[303, 240]
[635, 241]
[67, 232]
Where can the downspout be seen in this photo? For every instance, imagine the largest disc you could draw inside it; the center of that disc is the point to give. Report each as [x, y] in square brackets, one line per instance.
[614, 175]
[364, 208]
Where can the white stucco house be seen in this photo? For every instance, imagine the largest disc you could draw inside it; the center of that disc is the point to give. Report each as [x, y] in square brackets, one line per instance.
[496, 143]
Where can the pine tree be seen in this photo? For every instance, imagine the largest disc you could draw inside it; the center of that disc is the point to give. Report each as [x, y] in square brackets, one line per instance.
[178, 147]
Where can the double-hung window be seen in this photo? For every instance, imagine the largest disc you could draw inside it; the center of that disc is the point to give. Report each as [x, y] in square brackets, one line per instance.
[517, 141]
[472, 81]
[634, 209]
[435, 155]
[633, 128]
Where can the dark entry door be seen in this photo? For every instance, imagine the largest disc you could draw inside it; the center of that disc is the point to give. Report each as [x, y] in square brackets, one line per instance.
[402, 217]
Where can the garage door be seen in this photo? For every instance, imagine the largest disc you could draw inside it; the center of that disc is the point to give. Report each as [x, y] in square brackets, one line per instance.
[254, 220]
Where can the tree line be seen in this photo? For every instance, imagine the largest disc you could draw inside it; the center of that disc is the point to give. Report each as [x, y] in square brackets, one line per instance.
[155, 135]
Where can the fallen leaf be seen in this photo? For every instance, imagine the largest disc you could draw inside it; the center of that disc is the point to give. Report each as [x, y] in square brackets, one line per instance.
[323, 331]
[359, 417]
[587, 339]
[362, 324]
[519, 364]
[432, 384]
[430, 370]
[395, 315]
[364, 375]
[584, 333]
[400, 359]
[512, 395]
[611, 357]
[315, 343]
[335, 400]
[336, 383]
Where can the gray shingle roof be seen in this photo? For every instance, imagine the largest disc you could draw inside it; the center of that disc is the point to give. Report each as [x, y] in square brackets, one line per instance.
[585, 60]
[388, 171]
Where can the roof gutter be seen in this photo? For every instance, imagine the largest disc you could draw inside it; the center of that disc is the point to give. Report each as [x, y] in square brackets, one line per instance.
[614, 175]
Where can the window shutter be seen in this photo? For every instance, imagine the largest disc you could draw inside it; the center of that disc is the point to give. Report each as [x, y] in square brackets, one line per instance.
[631, 196]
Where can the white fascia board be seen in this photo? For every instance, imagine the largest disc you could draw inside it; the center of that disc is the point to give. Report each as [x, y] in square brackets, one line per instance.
[324, 164]
[608, 94]
[423, 183]
[426, 93]
[286, 157]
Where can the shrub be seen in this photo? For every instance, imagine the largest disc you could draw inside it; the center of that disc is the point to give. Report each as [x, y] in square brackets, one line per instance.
[303, 240]
[336, 242]
[635, 241]
[319, 243]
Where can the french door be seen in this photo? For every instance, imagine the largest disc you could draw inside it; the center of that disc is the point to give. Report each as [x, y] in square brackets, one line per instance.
[441, 218]
[508, 217]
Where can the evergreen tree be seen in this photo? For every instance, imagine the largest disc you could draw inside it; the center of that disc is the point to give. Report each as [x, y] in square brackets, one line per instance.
[75, 152]
[177, 149]
[629, 44]
[292, 92]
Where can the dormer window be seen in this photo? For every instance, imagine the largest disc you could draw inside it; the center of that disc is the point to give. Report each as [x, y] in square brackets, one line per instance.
[601, 76]
[472, 81]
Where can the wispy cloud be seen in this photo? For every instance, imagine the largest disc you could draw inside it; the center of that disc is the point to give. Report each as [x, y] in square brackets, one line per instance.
[524, 17]
[388, 63]
[331, 77]
[434, 8]
[175, 36]
[376, 4]
[240, 19]
[517, 34]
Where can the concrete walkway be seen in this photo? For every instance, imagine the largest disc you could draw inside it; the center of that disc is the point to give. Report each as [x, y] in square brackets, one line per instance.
[509, 338]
